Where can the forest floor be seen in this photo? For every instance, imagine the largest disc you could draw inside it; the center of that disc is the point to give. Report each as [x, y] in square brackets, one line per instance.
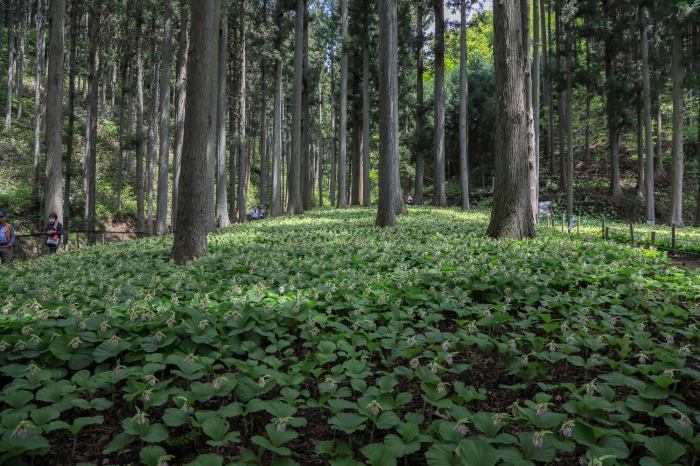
[324, 340]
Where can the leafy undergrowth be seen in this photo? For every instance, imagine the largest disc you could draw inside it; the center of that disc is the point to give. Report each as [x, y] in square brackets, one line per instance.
[649, 236]
[322, 340]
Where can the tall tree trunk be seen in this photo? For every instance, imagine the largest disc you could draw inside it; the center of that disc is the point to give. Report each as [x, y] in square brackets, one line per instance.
[511, 216]
[200, 123]
[342, 159]
[439, 195]
[234, 79]
[535, 172]
[640, 145]
[277, 159]
[365, 195]
[659, 160]
[333, 188]
[294, 181]
[10, 63]
[140, 220]
[263, 123]
[222, 218]
[561, 88]
[38, 78]
[464, 108]
[54, 112]
[678, 113]
[531, 144]
[243, 143]
[121, 139]
[181, 95]
[388, 113]
[646, 92]
[73, 71]
[548, 51]
[419, 144]
[611, 104]
[587, 134]
[356, 161]
[152, 136]
[569, 128]
[307, 184]
[164, 154]
[19, 85]
[91, 159]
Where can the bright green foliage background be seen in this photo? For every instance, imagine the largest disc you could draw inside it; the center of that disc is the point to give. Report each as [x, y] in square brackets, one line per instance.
[427, 342]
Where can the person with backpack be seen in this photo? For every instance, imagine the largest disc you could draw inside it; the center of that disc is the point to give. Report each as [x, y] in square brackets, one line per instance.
[7, 240]
[54, 232]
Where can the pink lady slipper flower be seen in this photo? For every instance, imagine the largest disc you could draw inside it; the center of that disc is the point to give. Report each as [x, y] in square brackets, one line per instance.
[461, 427]
[567, 429]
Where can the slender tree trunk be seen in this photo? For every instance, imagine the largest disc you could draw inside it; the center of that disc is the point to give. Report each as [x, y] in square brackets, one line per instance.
[200, 123]
[464, 108]
[342, 159]
[91, 159]
[587, 135]
[181, 95]
[677, 77]
[73, 71]
[307, 185]
[569, 130]
[548, 51]
[140, 220]
[388, 113]
[222, 218]
[419, 143]
[333, 188]
[535, 173]
[640, 146]
[164, 154]
[294, 181]
[365, 195]
[277, 159]
[612, 110]
[697, 120]
[263, 123]
[243, 143]
[356, 150]
[439, 199]
[659, 160]
[646, 91]
[511, 215]
[38, 78]
[319, 171]
[234, 78]
[531, 144]
[10, 63]
[54, 112]
[561, 87]
[152, 135]
[120, 159]
[19, 85]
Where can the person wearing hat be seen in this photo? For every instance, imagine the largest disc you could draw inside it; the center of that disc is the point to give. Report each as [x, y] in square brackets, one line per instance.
[7, 239]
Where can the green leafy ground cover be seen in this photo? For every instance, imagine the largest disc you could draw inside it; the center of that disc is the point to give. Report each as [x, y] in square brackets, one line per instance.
[322, 340]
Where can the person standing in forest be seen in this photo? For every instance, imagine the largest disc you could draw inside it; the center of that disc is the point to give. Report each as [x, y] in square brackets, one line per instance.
[7, 240]
[54, 233]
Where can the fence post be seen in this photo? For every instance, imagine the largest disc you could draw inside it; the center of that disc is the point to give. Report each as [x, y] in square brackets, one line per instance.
[653, 238]
[632, 234]
[607, 232]
[603, 231]
[673, 238]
